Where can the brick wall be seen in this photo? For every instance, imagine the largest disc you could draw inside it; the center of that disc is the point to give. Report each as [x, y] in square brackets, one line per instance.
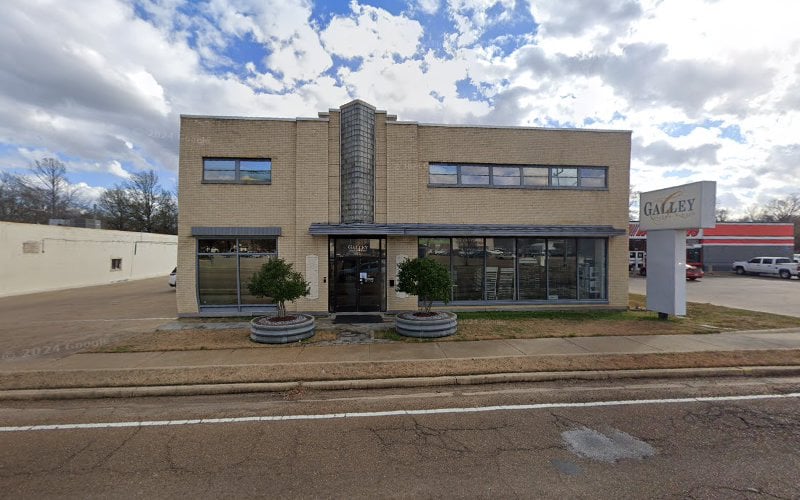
[306, 188]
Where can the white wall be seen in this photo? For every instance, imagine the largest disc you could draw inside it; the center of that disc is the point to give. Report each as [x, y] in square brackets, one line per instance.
[37, 258]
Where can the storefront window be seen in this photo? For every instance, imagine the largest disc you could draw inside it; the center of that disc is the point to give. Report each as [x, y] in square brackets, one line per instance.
[532, 262]
[523, 269]
[467, 268]
[562, 269]
[226, 266]
[591, 269]
[500, 269]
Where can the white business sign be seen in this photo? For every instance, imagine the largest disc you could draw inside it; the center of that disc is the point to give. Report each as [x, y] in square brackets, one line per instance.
[680, 207]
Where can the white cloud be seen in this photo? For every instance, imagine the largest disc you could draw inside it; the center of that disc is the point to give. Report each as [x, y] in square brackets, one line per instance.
[371, 32]
[428, 6]
[95, 83]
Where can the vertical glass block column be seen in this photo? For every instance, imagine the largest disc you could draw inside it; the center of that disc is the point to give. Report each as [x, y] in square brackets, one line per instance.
[357, 163]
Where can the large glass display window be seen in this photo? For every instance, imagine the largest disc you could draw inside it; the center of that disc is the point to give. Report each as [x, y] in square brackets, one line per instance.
[225, 267]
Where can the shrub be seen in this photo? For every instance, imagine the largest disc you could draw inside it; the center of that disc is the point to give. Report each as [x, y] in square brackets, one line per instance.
[427, 279]
[276, 279]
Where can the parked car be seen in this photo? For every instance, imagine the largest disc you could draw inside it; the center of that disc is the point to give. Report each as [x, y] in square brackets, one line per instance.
[776, 266]
[172, 277]
[692, 272]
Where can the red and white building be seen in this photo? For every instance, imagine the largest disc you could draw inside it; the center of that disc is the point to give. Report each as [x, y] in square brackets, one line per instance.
[716, 248]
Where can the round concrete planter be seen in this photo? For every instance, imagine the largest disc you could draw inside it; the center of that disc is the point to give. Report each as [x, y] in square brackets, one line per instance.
[441, 325]
[264, 331]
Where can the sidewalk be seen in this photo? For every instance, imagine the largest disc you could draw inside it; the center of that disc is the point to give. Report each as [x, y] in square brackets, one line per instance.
[397, 363]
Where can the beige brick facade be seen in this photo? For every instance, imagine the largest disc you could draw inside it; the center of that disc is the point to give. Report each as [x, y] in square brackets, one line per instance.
[306, 189]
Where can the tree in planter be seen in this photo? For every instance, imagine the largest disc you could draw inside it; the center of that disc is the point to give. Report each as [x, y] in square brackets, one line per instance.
[278, 280]
[427, 279]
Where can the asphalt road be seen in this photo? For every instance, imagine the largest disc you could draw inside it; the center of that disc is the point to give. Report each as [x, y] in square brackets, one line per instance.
[57, 324]
[715, 448]
[754, 293]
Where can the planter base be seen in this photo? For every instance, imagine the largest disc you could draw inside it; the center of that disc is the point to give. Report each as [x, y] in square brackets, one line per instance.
[441, 325]
[264, 332]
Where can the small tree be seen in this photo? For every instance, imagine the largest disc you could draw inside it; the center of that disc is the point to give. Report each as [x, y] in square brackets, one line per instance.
[276, 279]
[427, 279]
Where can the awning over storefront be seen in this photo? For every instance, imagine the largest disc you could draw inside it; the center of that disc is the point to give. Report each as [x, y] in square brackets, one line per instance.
[236, 231]
[497, 230]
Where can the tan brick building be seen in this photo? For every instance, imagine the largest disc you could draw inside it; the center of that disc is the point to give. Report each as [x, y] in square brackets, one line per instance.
[523, 217]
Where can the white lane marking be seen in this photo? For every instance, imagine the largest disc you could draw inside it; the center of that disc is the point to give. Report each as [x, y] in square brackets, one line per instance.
[392, 413]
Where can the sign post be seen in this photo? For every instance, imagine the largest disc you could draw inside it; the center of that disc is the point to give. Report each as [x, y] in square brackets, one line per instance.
[666, 214]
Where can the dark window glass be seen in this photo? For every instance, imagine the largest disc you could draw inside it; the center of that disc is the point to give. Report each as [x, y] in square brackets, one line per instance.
[532, 268]
[500, 269]
[562, 277]
[592, 268]
[258, 246]
[248, 266]
[467, 270]
[216, 246]
[216, 279]
[593, 177]
[223, 273]
[563, 177]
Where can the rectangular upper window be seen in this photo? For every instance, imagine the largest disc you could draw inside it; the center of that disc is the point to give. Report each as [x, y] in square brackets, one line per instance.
[520, 176]
[237, 170]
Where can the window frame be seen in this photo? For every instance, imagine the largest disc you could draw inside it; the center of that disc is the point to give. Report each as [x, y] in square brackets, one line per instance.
[237, 176]
[583, 180]
[236, 252]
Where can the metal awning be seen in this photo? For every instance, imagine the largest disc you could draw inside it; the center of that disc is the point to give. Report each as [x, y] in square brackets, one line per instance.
[496, 230]
[236, 231]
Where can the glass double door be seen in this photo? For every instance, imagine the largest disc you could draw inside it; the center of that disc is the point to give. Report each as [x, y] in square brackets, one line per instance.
[358, 267]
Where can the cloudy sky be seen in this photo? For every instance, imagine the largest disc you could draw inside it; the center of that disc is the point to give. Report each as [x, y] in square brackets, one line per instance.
[711, 89]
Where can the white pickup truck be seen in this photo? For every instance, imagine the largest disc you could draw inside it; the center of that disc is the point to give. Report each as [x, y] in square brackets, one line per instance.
[779, 266]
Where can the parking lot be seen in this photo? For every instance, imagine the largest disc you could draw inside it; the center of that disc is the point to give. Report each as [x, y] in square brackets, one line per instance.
[57, 324]
[755, 293]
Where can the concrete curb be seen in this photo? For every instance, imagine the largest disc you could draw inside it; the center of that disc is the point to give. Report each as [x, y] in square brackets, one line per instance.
[389, 383]
[398, 369]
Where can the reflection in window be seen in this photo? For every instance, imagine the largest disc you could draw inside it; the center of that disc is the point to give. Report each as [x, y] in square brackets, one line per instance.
[532, 262]
[474, 175]
[591, 269]
[467, 270]
[561, 269]
[525, 269]
[505, 176]
[529, 176]
[248, 266]
[536, 176]
[443, 174]
[563, 177]
[500, 269]
[241, 170]
[226, 266]
[216, 280]
[593, 177]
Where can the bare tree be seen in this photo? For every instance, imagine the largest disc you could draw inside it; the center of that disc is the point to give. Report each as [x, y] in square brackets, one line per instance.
[140, 204]
[783, 209]
[50, 189]
[44, 194]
